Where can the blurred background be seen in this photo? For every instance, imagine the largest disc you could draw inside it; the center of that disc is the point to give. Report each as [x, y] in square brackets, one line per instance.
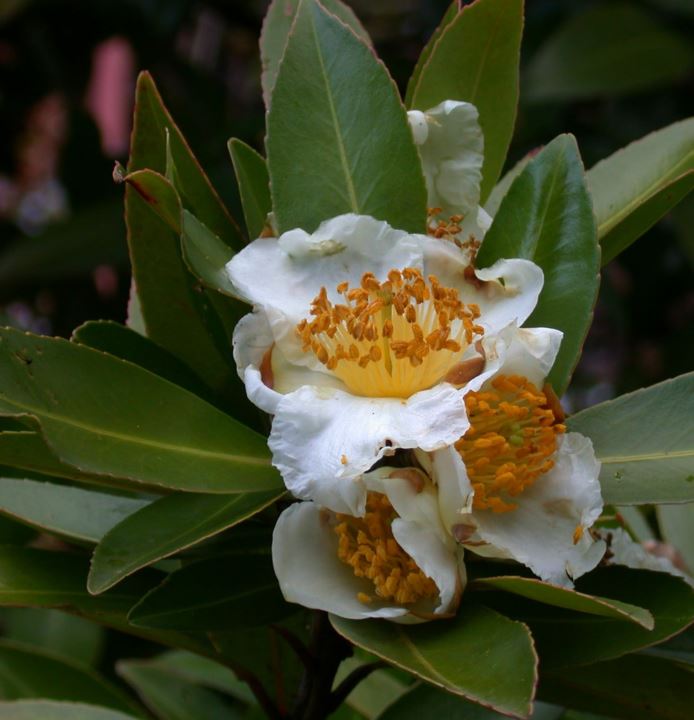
[609, 72]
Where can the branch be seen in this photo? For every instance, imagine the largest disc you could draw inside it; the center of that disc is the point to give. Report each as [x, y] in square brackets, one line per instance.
[339, 695]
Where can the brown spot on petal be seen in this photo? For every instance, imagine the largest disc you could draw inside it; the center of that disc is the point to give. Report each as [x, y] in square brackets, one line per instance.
[414, 477]
[465, 371]
[266, 374]
[462, 532]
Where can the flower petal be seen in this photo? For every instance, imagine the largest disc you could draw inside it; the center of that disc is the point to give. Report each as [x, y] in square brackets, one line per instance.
[451, 147]
[322, 439]
[540, 532]
[436, 560]
[530, 352]
[282, 276]
[304, 555]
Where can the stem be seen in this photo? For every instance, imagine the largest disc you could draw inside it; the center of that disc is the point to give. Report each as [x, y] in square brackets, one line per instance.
[341, 692]
[328, 650]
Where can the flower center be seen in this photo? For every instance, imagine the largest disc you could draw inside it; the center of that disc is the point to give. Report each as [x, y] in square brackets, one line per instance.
[367, 545]
[511, 440]
[390, 339]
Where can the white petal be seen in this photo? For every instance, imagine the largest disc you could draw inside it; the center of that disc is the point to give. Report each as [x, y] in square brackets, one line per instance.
[530, 352]
[454, 488]
[539, 532]
[304, 555]
[624, 551]
[452, 151]
[322, 439]
[509, 294]
[436, 560]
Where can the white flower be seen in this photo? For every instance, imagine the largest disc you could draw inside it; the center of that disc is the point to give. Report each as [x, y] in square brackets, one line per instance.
[516, 485]
[365, 339]
[622, 550]
[451, 147]
[396, 562]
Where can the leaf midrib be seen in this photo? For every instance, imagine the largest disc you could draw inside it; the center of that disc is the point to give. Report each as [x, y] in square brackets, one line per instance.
[179, 449]
[336, 125]
[611, 459]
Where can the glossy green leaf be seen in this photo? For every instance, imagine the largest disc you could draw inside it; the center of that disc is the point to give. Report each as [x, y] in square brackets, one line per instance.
[67, 635]
[193, 332]
[172, 697]
[676, 524]
[27, 672]
[276, 28]
[206, 255]
[476, 59]
[27, 451]
[644, 442]
[107, 416]
[547, 217]
[446, 20]
[502, 187]
[203, 671]
[75, 513]
[354, 151]
[565, 638]
[373, 694]
[635, 687]
[157, 192]
[424, 701]
[262, 653]
[123, 342]
[640, 183]
[496, 669]
[254, 185]
[609, 49]
[56, 710]
[570, 599]
[219, 593]
[165, 527]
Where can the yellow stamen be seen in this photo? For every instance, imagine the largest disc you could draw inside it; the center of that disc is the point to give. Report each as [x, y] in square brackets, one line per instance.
[391, 338]
[510, 442]
[367, 545]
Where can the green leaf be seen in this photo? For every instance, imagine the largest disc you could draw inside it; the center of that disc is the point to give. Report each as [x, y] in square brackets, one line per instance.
[644, 442]
[637, 185]
[82, 515]
[480, 655]
[635, 687]
[254, 185]
[676, 524]
[338, 138]
[446, 20]
[49, 710]
[476, 59]
[67, 635]
[569, 599]
[84, 401]
[424, 701]
[203, 671]
[158, 193]
[608, 49]
[27, 672]
[565, 638]
[206, 255]
[27, 451]
[373, 694]
[154, 130]
[193, 332]
[547, 217]
[276, 28]
[171, 697]
[123, 342]
[502, 187]
[165, 527]
[215, 594]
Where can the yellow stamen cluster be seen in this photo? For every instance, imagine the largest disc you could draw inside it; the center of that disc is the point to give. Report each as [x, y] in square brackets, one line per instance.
[450, 229]
[391, 338]
[367, 545]
[511, 440]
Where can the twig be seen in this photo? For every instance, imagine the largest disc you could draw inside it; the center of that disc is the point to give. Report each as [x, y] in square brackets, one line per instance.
[340, 693]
